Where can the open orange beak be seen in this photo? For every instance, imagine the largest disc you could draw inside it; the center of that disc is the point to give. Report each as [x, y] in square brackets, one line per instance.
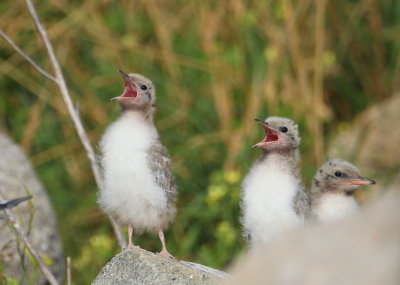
[271, 135]
[130, 90]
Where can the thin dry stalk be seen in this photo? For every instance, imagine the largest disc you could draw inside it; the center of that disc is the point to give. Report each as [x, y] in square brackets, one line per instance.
[164, 38]
[311, 91]
[208, 25]
[69, 270]
[252, 107]
[21, 234]
[65, 93]
[318, 78]
[19, 76]
[300, 67]
[60, 81]
[27, 58]
[72, 112]
[32, 126]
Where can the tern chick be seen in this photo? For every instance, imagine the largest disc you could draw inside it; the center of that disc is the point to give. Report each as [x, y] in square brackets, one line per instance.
[333, 188]
[139, 188]
[273, 198]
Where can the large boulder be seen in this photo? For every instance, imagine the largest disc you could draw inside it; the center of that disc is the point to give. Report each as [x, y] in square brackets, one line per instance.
[361, 249]
[36, 217]
[137, 266]
[372, 142]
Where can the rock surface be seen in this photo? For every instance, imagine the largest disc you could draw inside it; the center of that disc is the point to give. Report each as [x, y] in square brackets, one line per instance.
[17, 176]
[137, 266]
[362, 249]
[372, 142]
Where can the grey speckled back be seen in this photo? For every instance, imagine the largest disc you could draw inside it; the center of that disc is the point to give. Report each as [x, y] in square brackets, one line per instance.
[160, 164]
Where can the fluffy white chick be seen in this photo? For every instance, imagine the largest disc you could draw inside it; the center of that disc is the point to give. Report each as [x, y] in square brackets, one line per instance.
[139, 188]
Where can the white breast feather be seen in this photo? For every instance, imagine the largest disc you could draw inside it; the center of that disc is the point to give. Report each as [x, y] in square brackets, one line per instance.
[332, 207]
[268, 194]
[130, 193]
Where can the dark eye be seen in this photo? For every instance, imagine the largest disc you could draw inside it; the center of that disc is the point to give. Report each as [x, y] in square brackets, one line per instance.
[143, 87]
[283, 129]
[338, 173]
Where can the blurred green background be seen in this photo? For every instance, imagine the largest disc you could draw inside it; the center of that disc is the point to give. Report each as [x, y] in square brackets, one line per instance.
[217, 65]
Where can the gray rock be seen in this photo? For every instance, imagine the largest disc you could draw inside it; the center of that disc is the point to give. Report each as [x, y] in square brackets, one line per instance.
[17, 176]
[137, 266]
[372, 141]
[361, 249]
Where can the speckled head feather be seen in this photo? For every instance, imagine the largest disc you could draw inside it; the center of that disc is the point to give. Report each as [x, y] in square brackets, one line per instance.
[338, 176]
[280, 133]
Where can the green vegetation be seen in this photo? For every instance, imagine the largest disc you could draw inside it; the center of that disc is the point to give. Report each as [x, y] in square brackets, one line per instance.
[217, 65]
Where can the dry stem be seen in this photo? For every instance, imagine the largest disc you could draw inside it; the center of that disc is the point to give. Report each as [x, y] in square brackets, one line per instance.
[60, 81]
[69, 270]
[17, 227]
[74, 115]
[27, 57]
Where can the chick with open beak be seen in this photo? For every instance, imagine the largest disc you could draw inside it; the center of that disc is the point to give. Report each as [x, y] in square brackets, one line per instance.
[130, 90]
[139, 93]
[333, 188]
[280, 133]
[139, 188]
[273, 198]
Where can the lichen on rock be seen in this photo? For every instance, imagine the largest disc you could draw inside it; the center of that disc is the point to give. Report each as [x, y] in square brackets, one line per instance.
[138, 266]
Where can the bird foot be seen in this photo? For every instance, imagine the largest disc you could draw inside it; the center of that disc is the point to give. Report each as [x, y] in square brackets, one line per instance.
[165, 253]
[132, 246]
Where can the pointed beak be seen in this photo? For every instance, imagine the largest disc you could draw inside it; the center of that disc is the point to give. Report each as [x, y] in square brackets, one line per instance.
[359, 181]
[130, 90]
[124, 74]
[270, 134]
[261, 122]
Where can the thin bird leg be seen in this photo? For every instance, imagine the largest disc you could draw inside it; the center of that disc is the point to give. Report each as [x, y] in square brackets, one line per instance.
[130, 233]
[164, 251]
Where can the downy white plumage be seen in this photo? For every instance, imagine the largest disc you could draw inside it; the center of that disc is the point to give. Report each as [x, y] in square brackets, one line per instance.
[139, 189]
[273, 199]
[333, 206]
[332, 190]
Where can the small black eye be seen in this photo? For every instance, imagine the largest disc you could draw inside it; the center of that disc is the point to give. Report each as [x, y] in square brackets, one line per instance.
[338, 173]
[283, 129]
[143, 87]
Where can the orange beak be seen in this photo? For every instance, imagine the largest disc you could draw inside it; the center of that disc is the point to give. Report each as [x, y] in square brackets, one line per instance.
[358, 181]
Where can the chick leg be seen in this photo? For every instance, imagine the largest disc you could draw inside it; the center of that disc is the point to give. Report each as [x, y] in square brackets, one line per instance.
[130, 233]
[164, 251]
